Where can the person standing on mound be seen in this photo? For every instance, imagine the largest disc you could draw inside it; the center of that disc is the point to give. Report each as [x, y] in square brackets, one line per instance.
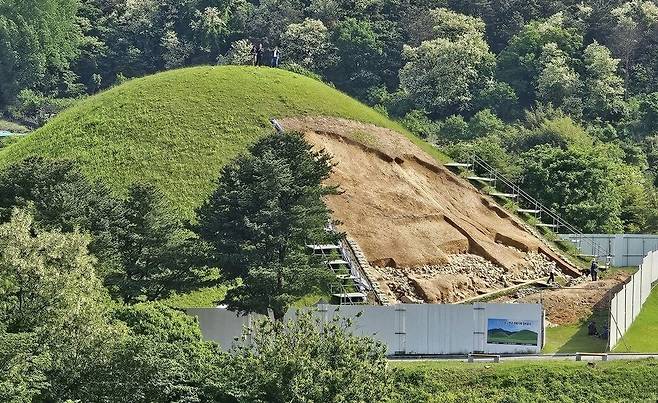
[254, 55]
[276, 55]
[551, 276]
[259, 55]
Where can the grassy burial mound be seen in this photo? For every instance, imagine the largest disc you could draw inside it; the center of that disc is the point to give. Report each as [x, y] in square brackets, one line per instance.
[176, 129]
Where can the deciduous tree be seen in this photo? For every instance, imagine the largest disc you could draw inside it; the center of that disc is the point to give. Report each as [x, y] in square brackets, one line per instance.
[307, 44]
[38, 40]
[444, 74]
[306, 360]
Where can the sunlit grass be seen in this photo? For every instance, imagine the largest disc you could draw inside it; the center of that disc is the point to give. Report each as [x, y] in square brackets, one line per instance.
[177, 129]
[642, 336]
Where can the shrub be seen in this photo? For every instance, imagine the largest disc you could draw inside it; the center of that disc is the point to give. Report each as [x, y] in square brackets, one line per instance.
[485, 123]
[306, 360]
[418, 123]
[32, 108]
[454, 128]
[240, 53]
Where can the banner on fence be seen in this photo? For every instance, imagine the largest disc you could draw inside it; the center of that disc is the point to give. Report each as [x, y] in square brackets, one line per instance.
[505, 331]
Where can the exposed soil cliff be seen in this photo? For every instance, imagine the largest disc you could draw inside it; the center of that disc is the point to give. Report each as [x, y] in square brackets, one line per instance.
[407, 212]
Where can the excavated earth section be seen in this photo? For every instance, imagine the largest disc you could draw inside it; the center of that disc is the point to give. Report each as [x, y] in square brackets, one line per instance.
[577, 301]
[429, 234]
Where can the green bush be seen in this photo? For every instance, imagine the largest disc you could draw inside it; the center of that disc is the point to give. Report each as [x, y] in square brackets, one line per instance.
[454, 128]
[485, 123]
[419, 124]
[33, 108]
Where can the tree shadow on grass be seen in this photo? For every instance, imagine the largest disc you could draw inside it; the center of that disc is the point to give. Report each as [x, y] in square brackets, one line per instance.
[580, 341]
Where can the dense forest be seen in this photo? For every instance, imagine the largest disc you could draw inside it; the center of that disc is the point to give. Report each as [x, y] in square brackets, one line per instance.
[560, 95]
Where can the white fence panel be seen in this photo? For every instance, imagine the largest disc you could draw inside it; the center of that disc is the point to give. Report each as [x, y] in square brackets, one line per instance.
[448, 327]
[221, 325]
[626, 249]
[627, 304]
[613, 333]
[620, 317]
[646, 280]
[621, 312]
[410, 328]
[637, 294]
[380, 324]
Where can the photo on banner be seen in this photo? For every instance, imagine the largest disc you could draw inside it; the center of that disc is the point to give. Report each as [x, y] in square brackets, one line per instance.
[517, 332]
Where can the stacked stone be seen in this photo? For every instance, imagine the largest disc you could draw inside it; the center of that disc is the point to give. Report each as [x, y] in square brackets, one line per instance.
[370, 273]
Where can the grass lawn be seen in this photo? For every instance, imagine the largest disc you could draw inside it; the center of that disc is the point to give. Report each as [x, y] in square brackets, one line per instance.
[201, 298]
[12, 127]
[574, 338]
[178, 128]
[525, 381]
[209, 296]
[642, 336]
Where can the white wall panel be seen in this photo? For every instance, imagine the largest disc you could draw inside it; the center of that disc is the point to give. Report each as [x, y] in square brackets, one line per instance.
[626, 249]
[627, 304]
[403, 328]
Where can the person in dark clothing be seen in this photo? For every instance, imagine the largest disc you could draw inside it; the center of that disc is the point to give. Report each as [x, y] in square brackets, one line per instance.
[594, 270]
[260, 52]
[591, 329]
[551, 276]
[254, 55]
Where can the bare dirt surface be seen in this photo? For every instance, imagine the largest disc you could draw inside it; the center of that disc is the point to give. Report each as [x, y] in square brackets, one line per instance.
[570, 305]
[407, 212]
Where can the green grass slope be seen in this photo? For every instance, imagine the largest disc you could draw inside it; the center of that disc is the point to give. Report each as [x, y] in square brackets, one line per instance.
[525, 381]
[177, 129]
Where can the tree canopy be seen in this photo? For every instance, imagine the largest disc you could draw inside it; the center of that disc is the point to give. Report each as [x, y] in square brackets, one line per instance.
[267, 207]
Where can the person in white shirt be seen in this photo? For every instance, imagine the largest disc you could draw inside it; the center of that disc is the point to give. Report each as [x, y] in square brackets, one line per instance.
[276, 56]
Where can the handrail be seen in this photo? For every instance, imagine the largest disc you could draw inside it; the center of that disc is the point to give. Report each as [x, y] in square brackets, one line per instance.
[556, 219]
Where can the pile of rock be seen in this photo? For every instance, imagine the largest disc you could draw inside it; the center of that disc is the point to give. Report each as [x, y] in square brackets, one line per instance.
[536, 266]
[522, 292]
[574, 281]
[471, 274]
[399, 283]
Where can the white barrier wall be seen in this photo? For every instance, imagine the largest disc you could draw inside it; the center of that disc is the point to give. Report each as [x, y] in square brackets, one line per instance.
[627, 303]
[626, 249]
[414, 328]
[221, 325]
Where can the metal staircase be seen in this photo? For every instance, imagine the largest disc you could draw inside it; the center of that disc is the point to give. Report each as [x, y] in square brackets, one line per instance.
[504, 188]
[347, 289]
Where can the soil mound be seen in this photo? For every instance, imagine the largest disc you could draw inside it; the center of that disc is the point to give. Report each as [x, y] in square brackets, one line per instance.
[407, 211]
